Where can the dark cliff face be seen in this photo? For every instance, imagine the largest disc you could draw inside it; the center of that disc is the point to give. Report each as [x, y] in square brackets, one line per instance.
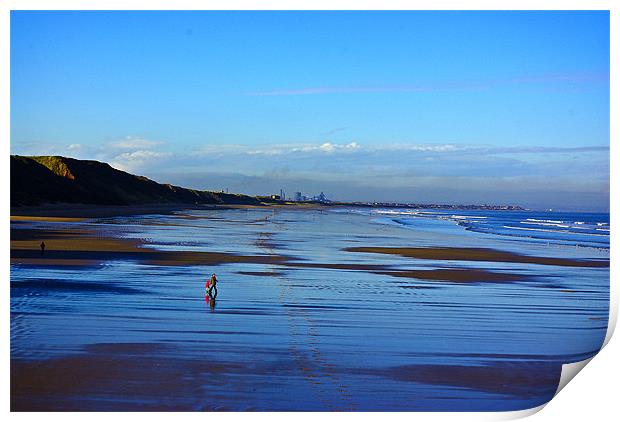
[50, 179]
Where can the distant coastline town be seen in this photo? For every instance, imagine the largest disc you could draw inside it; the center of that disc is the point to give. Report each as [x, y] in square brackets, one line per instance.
[321, 198]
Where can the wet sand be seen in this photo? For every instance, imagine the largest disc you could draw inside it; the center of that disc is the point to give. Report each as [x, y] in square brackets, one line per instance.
[46, 218]
[302, 322]
[459, 275]
[527, 379]
[478, 254]
[82, 247]
[97, 252]
[150, 371]
[78, 247]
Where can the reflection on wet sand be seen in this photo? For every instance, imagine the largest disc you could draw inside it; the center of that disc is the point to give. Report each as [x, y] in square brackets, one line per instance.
[143, 373]
[478, 254]
[80, 247]
[150, 372]
[114, 316]
[459, 275]
[532, 379]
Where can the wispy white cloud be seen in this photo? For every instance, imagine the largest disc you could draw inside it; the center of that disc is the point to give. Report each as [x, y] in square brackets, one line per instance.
[301, 149]
[569, 78]
[541, 149]
[136, 160]
[419, 147]
[334, 131]
[221, 150]
[326, 147]
[130, 142]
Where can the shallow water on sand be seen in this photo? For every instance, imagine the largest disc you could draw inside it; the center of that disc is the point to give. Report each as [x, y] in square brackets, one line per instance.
[125, 335]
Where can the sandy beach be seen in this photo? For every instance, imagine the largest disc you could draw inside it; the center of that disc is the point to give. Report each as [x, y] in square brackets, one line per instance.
[113, 317]
[80, 247]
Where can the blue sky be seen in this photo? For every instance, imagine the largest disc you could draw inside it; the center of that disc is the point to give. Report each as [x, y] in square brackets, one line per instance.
[405, 106]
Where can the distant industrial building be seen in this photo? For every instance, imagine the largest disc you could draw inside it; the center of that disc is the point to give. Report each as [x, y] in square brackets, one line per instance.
[300, 197]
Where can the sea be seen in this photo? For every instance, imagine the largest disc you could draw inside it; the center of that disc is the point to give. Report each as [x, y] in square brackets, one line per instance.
[331, 332]
[560, 228]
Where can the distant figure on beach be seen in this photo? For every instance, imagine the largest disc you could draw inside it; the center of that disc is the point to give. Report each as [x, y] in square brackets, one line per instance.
[42, 245]
[211, 289]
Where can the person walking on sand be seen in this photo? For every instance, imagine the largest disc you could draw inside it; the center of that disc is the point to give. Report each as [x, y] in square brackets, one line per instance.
[42, 245]
[210, 287]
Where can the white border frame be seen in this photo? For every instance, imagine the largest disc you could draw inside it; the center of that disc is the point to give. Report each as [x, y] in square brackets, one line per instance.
[595, 387]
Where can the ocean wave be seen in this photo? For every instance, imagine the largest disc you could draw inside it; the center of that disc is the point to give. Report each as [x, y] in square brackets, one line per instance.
[392, 212]
[585, 230]
[540, 223]
[536, 229]
[545, 221]
[551, 231]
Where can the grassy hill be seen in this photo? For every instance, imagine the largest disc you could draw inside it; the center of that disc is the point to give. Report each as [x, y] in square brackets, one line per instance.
[37, 180]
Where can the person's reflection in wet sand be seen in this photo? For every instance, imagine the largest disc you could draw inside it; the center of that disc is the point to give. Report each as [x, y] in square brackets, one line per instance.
[211, 301]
